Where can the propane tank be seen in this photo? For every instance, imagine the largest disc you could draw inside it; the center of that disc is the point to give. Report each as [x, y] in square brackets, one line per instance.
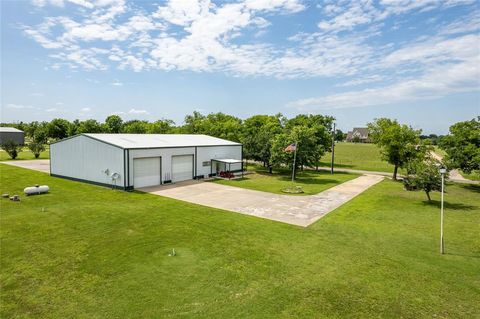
[37, 189]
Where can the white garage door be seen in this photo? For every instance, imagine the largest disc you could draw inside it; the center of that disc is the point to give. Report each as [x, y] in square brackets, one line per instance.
[146, 172]
[182, 168]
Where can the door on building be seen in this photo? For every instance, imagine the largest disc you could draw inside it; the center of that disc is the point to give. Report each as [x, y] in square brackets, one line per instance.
[182, 168]
[147, 171]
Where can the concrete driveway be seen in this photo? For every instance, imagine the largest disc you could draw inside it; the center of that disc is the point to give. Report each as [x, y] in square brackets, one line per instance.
[295, 210]
[36, 165]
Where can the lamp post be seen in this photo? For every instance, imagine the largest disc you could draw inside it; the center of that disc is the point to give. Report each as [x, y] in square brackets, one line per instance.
[442, 245]
[333, 148]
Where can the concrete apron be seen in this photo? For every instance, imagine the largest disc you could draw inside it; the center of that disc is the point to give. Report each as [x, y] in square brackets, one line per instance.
[295, 210]
[41, 165]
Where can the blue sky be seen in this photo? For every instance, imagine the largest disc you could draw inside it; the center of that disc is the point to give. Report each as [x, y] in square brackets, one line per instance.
[417, 61]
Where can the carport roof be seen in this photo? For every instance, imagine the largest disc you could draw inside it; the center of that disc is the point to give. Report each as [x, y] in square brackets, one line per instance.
[160, 140]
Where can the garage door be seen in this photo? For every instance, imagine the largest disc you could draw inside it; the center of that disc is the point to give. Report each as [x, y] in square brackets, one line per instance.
[146, 172]
[182, 168]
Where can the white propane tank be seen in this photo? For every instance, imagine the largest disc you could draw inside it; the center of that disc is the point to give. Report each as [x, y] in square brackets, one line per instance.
[37, 189]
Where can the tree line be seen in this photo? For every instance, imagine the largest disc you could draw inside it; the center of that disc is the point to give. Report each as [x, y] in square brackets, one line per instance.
[264, 138]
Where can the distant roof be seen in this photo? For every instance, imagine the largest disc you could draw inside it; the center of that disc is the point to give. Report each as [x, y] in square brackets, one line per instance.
[10, 130]
[362, 130]
[160, 140]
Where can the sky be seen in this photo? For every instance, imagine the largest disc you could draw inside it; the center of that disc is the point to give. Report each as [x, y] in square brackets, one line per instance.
[416, 61]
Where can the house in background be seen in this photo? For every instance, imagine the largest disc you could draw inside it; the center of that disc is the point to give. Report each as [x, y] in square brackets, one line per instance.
[12, 134]
[358, 135]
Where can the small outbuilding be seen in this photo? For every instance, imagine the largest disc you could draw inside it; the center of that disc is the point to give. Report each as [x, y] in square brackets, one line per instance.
[129, 161]
[12, 134]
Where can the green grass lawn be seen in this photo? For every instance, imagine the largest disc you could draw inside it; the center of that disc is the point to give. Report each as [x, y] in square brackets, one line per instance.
[362, 156]
[83, 251]
[312, 182]
[474, 175]
[25, 154]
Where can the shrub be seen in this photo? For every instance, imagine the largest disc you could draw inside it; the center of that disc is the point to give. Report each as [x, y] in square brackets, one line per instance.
[36, 148]
[11, 148]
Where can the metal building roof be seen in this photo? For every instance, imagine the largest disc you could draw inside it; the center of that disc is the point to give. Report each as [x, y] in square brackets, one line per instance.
[10, 130]
[160, 140]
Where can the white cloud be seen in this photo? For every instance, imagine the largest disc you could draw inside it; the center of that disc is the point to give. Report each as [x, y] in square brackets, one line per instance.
[135, 111]
[362, 80]
[18, 106]
[439, 81]
[200, 36]
[85, 110]
[116, 83]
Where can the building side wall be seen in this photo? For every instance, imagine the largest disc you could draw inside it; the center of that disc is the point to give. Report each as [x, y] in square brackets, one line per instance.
[16, 137]
[165, 153]
[86, 159]
[206, 154]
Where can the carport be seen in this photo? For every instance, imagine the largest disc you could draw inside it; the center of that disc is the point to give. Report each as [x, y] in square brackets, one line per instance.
[228, 164]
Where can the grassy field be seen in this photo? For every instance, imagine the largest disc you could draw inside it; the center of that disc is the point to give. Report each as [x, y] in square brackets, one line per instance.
[362, 156]
[25, 154]
[83, 251]
[312, 182]
[474, 176]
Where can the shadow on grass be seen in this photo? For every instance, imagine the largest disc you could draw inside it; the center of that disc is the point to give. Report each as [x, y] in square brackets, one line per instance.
[462, 255]
[472, 188]
[450, 206]
[327, 164]
[300, 174]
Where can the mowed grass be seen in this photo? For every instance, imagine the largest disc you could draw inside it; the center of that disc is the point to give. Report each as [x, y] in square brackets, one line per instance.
[83, 251]
[361, 156]
[312, 182]
[24, 154]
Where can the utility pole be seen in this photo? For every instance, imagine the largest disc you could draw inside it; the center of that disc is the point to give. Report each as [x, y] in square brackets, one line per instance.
[333, 148]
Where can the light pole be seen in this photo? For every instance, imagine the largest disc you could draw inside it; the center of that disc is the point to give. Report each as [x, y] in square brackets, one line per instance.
[442, 245]
[333, 149]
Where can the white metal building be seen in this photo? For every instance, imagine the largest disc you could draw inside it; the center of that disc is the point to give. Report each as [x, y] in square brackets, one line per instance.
[129, 161]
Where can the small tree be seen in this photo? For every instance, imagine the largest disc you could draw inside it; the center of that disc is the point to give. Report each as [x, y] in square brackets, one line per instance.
[36, 148]
[424, 175]
[39, 139]
[399, 144]
[11, 148]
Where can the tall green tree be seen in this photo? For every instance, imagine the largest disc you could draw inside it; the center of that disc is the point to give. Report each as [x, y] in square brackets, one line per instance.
[161, 127]
[306, 147]
[258, 134]
[215, 124]
[58, 128]
[113, 124]
[89, 126]
[136, 127]
[193, 123]
[399, 144]
[462, 145]
[313, 149]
